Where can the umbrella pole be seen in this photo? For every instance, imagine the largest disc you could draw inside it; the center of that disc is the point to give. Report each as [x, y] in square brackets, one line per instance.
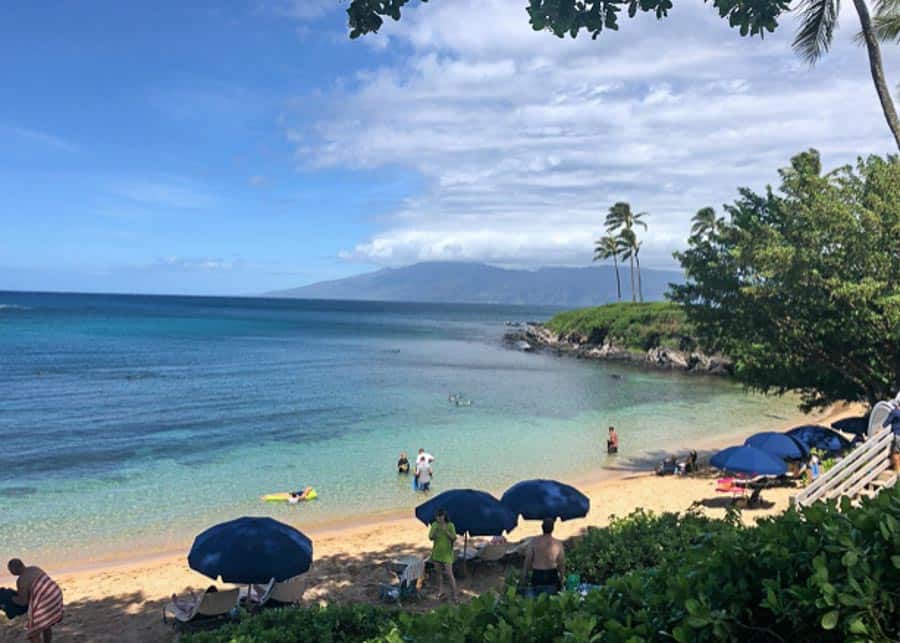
[465, 554]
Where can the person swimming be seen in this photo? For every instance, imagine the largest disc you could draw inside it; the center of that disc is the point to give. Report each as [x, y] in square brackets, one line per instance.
[403, 463]
[298, 496]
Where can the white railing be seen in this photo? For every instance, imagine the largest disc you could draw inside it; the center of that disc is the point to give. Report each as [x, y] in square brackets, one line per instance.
[849, 476]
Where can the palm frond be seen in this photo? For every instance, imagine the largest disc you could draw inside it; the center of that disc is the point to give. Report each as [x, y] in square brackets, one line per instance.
[887, 27]
[817, 22]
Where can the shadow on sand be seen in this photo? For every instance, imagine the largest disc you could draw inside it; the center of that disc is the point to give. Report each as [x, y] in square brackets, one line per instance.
[130, 617]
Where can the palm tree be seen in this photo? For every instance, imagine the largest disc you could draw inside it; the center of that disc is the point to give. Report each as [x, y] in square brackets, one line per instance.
[610, 247]
[632, 252]
[818, 22]
[705, 223]
[619, 219]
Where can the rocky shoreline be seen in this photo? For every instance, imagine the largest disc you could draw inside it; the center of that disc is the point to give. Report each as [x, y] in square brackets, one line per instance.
[538, 337]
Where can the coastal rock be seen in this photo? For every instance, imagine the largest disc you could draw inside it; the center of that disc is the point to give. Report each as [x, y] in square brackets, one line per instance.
[605, 348]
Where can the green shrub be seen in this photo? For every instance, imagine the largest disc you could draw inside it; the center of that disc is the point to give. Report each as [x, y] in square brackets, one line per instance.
[332, 624]
[637, 327]
[824, 573]
[639, 541]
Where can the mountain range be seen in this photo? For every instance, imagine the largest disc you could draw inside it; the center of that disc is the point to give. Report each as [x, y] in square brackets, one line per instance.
[454, 282]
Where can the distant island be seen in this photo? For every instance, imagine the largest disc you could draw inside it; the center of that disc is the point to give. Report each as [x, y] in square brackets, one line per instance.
[478, 283]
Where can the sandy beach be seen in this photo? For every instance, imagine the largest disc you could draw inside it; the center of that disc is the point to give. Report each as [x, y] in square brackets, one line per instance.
[123, 601]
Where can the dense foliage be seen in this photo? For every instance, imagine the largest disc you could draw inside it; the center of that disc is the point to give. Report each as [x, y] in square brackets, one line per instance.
[569, 17]
[820, 574]
[637, 327]
[332, 624]
[801, 287]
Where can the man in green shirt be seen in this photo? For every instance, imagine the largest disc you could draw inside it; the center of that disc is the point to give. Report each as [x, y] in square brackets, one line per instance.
[443, 534]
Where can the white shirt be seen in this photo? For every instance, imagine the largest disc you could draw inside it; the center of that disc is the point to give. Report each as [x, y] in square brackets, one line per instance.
[424, 457]
[424, 472]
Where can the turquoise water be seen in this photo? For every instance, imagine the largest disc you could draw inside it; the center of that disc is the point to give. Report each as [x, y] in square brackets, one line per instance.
[132, 422]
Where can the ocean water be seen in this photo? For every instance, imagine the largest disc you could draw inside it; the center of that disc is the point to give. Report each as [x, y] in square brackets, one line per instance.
[131, 423]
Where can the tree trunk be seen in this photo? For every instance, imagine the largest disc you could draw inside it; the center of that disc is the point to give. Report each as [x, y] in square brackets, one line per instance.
[618, 281]
[633, 293]
[875, 66]
[640, 284]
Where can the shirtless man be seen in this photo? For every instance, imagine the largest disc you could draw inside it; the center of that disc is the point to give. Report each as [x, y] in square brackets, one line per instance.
[546, 559]
[42, 596]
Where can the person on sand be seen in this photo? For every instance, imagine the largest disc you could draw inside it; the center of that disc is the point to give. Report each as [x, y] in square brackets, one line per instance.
[893, 421]
[190, 604]
[403, 463]
[43, 597]
[545, 560]
[442, 533]
[612, 442]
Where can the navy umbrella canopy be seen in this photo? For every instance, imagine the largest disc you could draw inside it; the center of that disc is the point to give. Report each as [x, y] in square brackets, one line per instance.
[748, 460]
[541, 499]
[251, 550]
[780, 445]
[474, 513]
[820, 437]
[856, 426]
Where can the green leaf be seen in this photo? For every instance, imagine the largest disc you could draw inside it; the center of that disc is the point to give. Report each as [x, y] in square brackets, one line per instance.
[858, 627]
[830, 620]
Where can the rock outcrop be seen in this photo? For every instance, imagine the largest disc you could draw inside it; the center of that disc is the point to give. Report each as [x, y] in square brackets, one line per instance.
[582, 347]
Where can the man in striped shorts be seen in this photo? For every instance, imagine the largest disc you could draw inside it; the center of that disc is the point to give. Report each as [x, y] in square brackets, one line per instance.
[43, 598]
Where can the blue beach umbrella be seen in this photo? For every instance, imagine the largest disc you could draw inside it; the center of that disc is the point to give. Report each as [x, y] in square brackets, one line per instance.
[541, 499]
[251, 550]
[474, 513]
[856, 426]
[820, 437]
[748, 460]
[780, 445]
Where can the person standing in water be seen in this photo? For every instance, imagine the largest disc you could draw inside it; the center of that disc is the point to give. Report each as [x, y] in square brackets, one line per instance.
[403, 463]
[423, 475]
[612, 442]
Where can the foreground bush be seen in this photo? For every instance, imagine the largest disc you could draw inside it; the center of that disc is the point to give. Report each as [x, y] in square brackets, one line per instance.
[333, 624]
[820, 574]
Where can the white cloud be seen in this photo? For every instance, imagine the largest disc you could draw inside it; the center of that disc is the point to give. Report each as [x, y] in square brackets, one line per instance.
[299, 9]
[524, 140]
[202, 264]
[169, 193]
[38, 137]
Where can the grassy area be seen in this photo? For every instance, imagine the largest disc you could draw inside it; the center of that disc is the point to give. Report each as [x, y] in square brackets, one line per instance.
[637, 327]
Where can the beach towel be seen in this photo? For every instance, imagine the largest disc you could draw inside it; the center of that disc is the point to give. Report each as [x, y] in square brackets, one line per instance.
[45, 605]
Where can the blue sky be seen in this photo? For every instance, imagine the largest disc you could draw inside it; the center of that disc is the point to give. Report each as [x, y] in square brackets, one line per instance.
[232, 148]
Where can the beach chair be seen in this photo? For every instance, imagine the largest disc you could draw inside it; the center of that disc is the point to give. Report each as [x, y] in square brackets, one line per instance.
[274, 594]
[407, 587]
[519, 548]
[730, 486]
[492, 552]
[210, 608]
